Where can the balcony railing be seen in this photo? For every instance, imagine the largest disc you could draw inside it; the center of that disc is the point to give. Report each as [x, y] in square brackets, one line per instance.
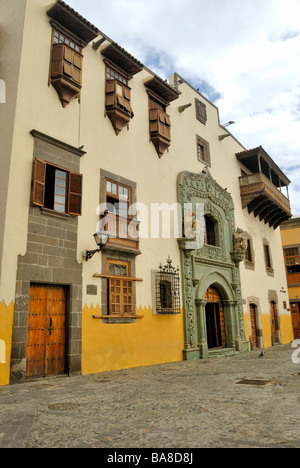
[123, 232]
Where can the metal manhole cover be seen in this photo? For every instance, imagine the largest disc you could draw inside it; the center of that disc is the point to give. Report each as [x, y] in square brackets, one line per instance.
[63, 406]
[255, 382]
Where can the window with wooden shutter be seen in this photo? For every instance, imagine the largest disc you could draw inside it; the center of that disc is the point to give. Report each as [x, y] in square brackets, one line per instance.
[75, 194]
[39, 179]
[118, 96]
[56, 188]
[120, 289]
[160, 124]
[66, 62]
[118, 99]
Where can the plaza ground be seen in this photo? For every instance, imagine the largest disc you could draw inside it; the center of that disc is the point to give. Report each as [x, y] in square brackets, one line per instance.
[196, 404]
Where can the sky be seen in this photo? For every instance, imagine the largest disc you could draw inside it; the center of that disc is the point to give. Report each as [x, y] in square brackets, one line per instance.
[244, 55]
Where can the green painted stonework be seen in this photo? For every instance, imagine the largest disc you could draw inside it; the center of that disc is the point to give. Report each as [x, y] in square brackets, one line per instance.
[208, 265]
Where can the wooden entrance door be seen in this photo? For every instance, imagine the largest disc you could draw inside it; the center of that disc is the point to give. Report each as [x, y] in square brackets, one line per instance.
[215, 321]
[295, 311]
[253, 316]
[46, 340]
[273, 318]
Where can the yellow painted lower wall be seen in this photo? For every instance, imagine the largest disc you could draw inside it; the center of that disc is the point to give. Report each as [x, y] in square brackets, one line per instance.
[266, 329]
[287, 333]
[246, 327]
[286, 329]
[154, 339]
[6, 327]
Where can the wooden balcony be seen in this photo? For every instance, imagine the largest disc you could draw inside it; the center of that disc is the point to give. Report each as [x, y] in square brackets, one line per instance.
[261, 190]
[264, 199]
[118, 104]
[293, 278]
[66, 72]
[160, 130]
[123, 232]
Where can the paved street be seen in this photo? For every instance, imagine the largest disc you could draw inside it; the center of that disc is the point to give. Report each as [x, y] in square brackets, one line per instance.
[183, 405]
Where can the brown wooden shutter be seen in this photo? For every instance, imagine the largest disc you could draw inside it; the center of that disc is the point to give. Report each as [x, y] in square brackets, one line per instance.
[127, 94]
[77, 67]
[77, 60]
[39, 179]
[57, 59]
[68, 69]
[68, 54]
[75, 194]
[110, 86]
[110, 92]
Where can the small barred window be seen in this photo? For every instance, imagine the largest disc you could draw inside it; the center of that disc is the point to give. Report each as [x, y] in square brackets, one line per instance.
[167, 289]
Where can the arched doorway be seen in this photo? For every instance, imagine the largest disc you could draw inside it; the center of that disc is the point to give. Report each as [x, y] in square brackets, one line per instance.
[215, 321]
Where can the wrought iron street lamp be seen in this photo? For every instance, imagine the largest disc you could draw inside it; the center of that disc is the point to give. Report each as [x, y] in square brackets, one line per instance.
[101, 239]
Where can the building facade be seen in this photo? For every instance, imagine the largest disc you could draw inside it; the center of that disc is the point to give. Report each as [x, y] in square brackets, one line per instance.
[290, 234]
[95, 142]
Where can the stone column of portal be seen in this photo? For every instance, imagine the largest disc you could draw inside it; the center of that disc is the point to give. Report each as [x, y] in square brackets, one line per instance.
[202, 331]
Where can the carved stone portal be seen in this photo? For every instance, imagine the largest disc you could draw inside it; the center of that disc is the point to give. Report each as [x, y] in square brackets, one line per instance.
[211, 265]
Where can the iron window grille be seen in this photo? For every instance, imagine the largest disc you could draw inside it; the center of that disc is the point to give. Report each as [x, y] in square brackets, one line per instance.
[167, 289]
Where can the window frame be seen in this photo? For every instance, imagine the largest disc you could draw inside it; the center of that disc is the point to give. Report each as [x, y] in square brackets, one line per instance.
[114, 70]
[206, 151]
[215, 231]
[172, 301]
[125, 283]
[65, 38]
[39, 187]
[268, 258]
[248, 253]
[288, 258]
[249, 260]
[117, 196]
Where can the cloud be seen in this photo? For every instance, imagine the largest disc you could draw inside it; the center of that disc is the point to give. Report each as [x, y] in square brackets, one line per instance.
[243, 55]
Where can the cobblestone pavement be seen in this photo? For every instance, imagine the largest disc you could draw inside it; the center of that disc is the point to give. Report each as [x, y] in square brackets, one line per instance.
[197, 404]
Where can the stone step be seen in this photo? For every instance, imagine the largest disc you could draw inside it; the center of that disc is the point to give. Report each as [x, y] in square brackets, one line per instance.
[222, 352]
